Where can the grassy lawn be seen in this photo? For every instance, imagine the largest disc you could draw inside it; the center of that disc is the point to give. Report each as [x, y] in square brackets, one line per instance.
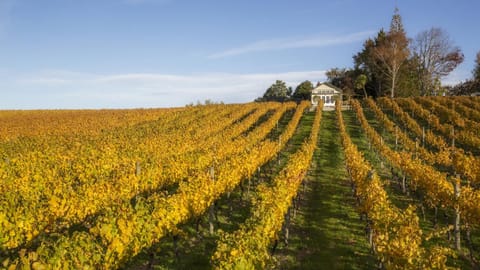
[327, 232]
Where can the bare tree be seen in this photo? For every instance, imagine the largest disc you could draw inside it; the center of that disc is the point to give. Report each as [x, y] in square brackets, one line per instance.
[437, 57]
[393, 51]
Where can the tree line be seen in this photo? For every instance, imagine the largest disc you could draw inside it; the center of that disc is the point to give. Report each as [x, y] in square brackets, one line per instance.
[391, 64]
[279, 91]
[471, 85]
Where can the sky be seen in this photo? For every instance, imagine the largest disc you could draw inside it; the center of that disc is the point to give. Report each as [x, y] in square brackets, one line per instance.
[74, 54]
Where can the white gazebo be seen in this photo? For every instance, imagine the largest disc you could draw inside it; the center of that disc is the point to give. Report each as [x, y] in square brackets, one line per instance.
[326, 92]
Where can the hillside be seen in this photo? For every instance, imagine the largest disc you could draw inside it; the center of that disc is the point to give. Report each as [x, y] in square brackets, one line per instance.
[389, 183]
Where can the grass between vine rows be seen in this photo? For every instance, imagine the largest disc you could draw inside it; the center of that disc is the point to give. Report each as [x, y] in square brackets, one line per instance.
[327, 232]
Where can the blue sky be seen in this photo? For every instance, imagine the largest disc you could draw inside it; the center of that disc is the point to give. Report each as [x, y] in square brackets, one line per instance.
[165, 53]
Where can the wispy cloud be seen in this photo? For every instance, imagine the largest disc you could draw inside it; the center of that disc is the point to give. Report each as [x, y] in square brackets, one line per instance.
[62, 89]
[293, 43]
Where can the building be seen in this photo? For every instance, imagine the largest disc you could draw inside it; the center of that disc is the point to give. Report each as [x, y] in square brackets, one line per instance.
[326, 92]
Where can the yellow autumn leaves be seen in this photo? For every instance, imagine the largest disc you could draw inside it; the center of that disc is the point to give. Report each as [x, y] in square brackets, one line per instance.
[248, 247]
[396, 234]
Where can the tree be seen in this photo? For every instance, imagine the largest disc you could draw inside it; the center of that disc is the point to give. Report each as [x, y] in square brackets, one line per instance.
[335, 74]
[465, 88]
[392, 52]
[342, 78]
[276, 92]
[408, 79]
[289, 91]
[437, 57]
[476, 71]
[303, 90]
[366, 63]
[360, 83]
[469, 86]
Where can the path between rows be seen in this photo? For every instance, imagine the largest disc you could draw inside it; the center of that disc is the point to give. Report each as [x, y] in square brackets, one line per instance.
[327, 232]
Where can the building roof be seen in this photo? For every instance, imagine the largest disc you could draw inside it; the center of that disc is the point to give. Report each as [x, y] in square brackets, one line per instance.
[326, 88]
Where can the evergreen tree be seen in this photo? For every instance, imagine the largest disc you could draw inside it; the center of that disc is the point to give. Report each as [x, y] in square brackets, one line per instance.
[366, 63]
[392, 52]
[276, 92]
[476, 71]
[303, 90]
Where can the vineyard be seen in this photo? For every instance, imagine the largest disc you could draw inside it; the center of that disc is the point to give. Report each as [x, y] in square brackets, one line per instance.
[373, 184]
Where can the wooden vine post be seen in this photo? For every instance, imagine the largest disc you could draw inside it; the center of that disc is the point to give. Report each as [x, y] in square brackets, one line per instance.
[296, 204]
[285, 227]
[453, 137]
[211, 212]
[381, 159]
[423, 136]
[279, 148]
[456, 225]
[416, 148]
[175, 247]
[369, 227]
[138, 168]
[396, 137]
[404, 183]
